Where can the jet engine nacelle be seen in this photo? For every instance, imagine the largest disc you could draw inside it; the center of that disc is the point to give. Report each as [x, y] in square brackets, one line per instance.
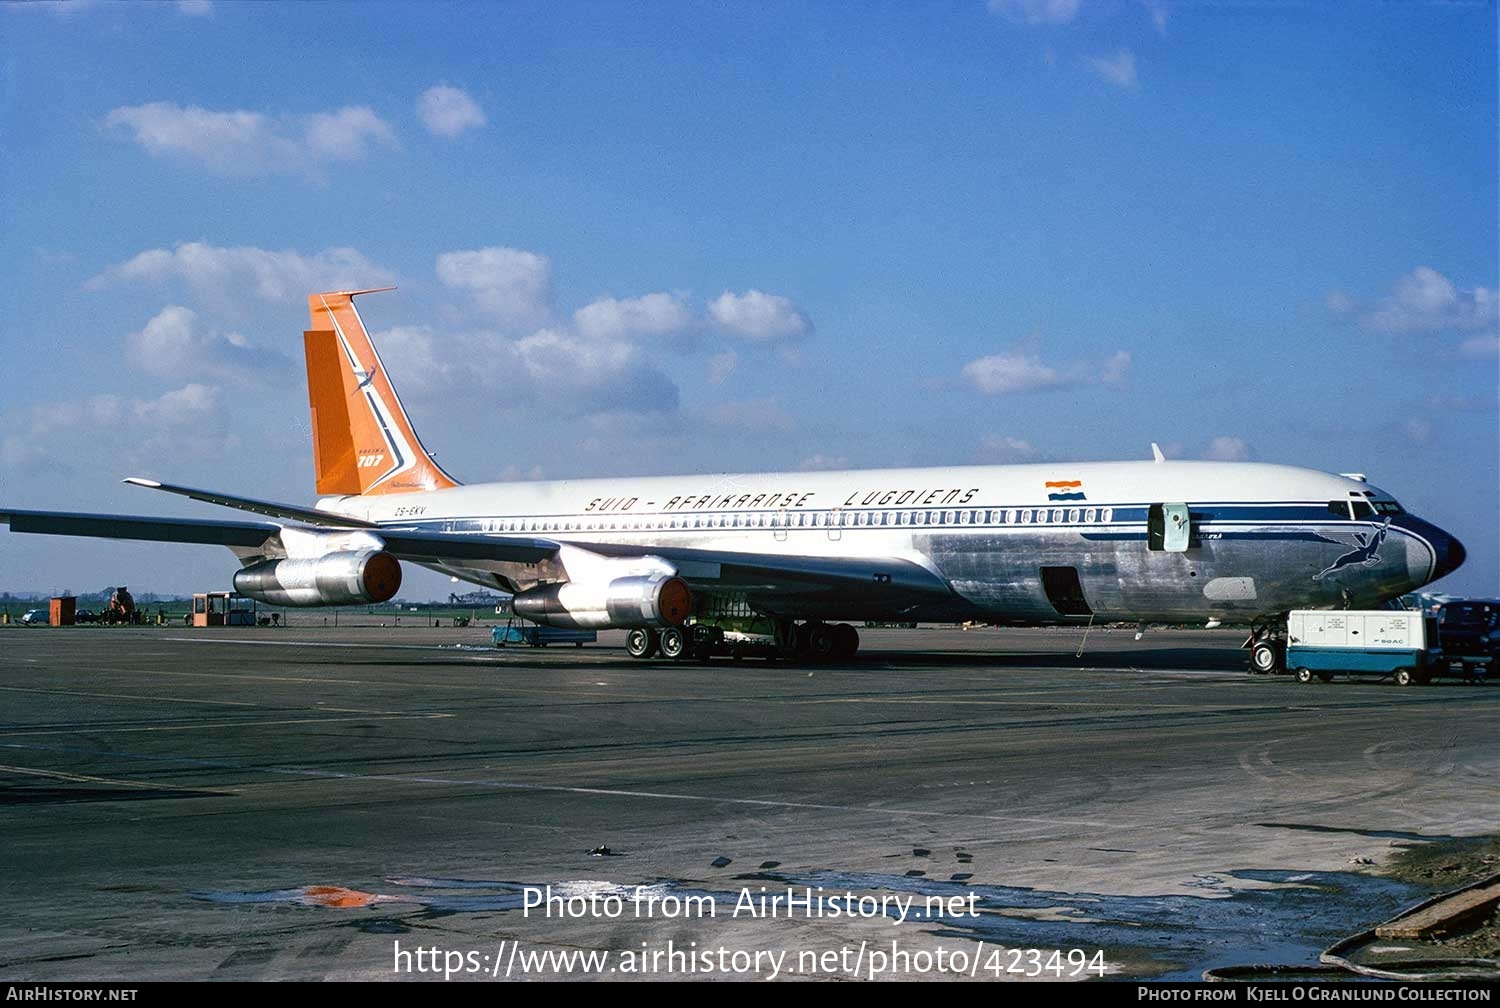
[641, 600]
[349, 577]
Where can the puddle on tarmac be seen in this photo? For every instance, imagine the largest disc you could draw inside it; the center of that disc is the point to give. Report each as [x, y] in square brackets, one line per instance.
[1241, 917]
[1284, 917]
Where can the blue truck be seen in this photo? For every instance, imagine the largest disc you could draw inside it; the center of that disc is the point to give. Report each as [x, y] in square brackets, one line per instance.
[519, 631]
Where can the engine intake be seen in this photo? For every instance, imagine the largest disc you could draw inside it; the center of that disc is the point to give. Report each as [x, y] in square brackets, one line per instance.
[644, 600]
[344, 578]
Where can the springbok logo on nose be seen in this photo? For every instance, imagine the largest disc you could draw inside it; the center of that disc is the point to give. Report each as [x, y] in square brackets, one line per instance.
[1366, 548]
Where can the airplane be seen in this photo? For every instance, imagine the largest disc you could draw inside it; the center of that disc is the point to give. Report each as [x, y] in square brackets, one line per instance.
[676, 559]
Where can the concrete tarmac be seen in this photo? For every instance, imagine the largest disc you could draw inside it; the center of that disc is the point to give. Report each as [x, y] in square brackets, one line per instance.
[310, 803]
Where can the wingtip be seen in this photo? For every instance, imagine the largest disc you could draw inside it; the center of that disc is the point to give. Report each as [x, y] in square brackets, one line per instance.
[141, 482]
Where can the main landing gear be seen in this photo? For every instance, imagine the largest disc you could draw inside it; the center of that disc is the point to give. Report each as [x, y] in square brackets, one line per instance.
[809, 642]
[821, 642]
[677, 643]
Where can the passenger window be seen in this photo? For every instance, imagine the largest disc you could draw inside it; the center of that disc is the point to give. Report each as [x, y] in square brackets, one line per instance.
[1090, 515]
[1025, 517]
[1073, 514]
[1107, 515]
[963, 517]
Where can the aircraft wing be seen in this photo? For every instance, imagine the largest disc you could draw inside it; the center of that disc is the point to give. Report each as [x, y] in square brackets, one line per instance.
[234, 534]
[262, 537]
[271, 509]
[772, 579]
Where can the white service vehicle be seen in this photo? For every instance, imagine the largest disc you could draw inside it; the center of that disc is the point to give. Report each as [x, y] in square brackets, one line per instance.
[1401, 644]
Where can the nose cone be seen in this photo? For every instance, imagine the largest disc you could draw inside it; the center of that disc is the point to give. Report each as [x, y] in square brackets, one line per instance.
[1450, 555]
[1432, 554]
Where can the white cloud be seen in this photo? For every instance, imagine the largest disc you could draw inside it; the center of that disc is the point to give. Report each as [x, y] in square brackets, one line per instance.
[1003, 373]
[185, 422]
[413, 360]
[1116, 368]
[759, 317]
[553, 370]
[721, 366]
[195, 8]
[1003, 448]
[822, 462]
[175, 344]
[1025, 371]
[344, 135]
[1036, 11]
[1418, 430]
[1228, 449]
[251, 143]
[1425, 301]
[651, 315]
[582, 376]
[448, 111]
[219, 273]
[1157, 11]
[1118, 69]
[513, 286]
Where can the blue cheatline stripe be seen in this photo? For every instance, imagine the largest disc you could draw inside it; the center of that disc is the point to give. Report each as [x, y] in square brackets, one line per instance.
[1124, 514]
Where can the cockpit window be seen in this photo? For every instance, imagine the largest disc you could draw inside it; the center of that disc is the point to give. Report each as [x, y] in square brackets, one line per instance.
[1362, 509]
[1388, 507]
[1339, 508]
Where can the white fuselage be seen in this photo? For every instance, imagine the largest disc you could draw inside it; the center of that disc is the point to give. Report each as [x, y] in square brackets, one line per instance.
[1029, 543]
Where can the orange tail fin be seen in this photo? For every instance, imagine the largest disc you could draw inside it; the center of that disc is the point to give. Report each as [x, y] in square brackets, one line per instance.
[363, 442]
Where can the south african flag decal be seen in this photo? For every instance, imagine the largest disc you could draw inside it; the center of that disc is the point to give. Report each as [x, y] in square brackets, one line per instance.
[1061, 490]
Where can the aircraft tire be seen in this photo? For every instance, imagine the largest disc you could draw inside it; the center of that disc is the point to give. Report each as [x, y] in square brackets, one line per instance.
[1265, 659]
[642, 643]
[821, 642]
[845, 640]
[1304, 675]
[1404, 677]
[674, 643]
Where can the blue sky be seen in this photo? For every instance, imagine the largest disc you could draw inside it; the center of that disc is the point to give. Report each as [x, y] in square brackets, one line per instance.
[641, 240]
